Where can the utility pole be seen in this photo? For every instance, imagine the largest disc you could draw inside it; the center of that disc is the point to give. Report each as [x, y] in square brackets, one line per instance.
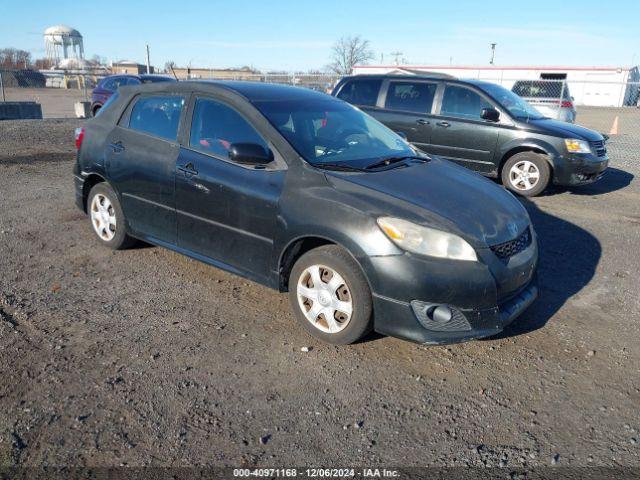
[148, 64]
[397, 55]
[493, 52]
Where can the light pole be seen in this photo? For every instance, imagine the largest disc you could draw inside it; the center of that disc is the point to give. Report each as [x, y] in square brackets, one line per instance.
[493, 52]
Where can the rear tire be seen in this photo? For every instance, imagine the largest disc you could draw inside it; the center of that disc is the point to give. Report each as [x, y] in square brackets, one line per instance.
[106, 217]
[527, 173]
[330, 296]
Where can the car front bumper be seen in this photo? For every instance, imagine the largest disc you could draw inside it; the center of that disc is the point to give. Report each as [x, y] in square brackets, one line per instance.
[485, 296]
[579, 170]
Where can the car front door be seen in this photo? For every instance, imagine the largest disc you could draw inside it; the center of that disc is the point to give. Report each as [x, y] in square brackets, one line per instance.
[460, 134]
[408, 108]
[140, 159]
[226, 212]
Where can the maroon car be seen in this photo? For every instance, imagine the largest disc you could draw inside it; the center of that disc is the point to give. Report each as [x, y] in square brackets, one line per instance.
[108, 85]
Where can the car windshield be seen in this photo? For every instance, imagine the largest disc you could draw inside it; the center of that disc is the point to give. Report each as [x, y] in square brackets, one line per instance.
[518, 107]
[331, 131]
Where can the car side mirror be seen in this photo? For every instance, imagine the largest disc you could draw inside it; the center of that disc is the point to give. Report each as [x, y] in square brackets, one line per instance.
[250, 154]
[490, 114]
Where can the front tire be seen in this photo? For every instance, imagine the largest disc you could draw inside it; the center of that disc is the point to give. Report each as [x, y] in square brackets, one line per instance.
[526, 173]
[330, 296]
[107, 218]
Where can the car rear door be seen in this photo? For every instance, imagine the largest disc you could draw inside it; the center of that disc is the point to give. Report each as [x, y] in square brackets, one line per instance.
[141, 154]
[460, 134]
[408, 106]
[226, 212]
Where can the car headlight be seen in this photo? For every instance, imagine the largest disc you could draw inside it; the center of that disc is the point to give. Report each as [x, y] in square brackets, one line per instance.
[577, 146]
[426, 241]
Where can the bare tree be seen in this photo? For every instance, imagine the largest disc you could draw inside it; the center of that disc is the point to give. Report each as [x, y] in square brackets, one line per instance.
[169, 66]
[14, 58]
[348, 52]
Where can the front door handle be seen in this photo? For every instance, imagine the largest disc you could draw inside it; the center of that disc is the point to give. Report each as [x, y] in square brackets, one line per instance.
[422, 121]
[117, 147]
[188, 169]
[443, 124]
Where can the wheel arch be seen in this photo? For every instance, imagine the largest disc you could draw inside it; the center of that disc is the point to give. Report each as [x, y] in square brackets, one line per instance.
[299, 246]
[525, 148]
[91, 181]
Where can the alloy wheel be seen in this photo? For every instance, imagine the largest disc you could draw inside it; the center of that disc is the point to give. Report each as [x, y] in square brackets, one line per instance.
[524, 175]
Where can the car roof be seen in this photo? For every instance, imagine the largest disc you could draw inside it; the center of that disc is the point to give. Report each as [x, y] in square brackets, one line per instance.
[251, 91]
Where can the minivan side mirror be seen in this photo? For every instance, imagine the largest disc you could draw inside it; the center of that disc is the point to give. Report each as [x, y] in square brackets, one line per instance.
[250, 154]
[490, 114]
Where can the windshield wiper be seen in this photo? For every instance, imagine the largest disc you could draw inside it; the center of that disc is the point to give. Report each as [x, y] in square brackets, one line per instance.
[391, 160]
[337, 166]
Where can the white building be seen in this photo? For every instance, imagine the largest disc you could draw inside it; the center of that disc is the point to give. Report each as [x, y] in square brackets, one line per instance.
[592, 86]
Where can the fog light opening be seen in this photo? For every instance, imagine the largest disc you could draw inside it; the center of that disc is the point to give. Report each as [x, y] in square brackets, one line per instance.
[440, 314]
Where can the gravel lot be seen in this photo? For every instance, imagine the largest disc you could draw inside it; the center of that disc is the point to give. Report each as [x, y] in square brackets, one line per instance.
[146, 357]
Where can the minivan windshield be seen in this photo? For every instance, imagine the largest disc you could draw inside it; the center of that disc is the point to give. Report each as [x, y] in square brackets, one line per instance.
[331, 131]
[518, 107]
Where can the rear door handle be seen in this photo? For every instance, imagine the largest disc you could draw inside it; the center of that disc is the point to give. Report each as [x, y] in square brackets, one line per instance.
[117, 147]
[422, 121]
[443, 124]
[188, 169]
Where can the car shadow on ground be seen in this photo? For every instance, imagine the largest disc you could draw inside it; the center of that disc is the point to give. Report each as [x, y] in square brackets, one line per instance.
[569, 256]
[614, 179]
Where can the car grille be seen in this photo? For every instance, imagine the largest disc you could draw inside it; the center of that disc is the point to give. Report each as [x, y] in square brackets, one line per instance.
[599, 148]
[506, 250]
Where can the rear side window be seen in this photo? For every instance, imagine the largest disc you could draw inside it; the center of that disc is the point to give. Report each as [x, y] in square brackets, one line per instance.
[361, 91]
[463, 103]
[157, 115]
[411, 96]
[216, 126]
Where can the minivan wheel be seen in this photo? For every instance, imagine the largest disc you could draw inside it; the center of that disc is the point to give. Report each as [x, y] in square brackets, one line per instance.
[526, 173]
[107, 218]
[330, 295]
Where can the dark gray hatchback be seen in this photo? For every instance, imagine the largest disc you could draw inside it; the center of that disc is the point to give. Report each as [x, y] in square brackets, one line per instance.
[481, 126]
[302, 192]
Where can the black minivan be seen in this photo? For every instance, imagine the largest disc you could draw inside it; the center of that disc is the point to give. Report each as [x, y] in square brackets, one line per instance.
[307, 194]
[481, 126]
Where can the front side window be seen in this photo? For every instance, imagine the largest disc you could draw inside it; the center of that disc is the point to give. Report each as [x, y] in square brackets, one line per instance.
[328, 131]
[216, 126]
[157, 115]
[512, 102]
[361, 91]
[411, 96]
[463, 103]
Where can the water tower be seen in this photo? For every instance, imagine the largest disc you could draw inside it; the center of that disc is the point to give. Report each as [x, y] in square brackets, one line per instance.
[63, 45]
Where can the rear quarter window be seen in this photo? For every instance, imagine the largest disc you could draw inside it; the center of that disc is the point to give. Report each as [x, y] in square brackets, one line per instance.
[157, 115]
[361, 91]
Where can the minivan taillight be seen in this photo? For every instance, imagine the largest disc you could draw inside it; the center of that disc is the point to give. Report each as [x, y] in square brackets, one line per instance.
[79, 137]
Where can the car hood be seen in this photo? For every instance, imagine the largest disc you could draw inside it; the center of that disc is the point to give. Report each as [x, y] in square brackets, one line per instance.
[442, 195]
[564, 129]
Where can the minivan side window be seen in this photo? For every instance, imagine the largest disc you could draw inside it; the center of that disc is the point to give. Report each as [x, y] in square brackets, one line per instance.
[216, 126]
[157, 115]
[411, 96]
[361, 91]
[462, 102]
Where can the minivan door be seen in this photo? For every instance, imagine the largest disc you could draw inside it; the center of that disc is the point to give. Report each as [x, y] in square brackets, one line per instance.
[227, 212]
[407, 110]
[460, 134]
[141, 154]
